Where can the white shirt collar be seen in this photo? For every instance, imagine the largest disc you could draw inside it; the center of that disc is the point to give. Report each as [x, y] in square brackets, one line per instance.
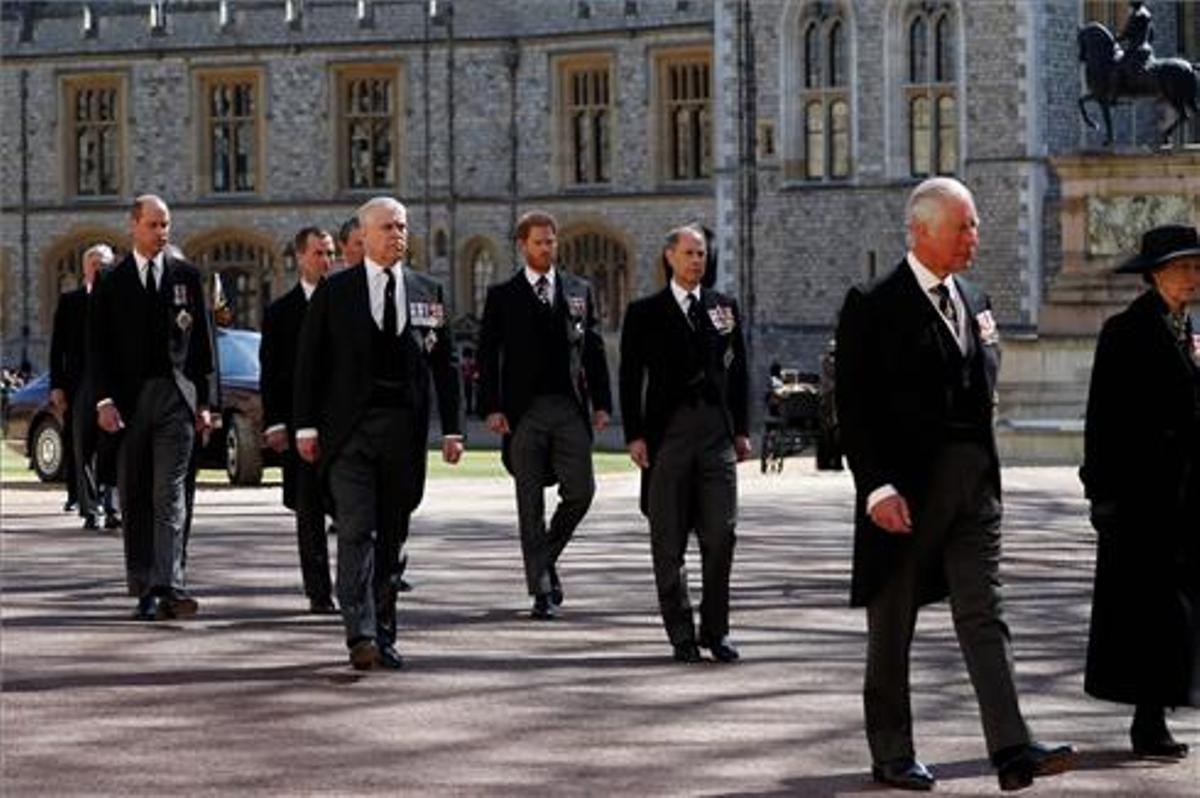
[307, 288]
[395, 267]
[927, 279]
[533, 277]
[141, 261]
[680, 293]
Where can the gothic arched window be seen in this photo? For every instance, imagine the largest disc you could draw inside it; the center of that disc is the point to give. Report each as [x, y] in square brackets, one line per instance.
[820, 144]
[930, 93]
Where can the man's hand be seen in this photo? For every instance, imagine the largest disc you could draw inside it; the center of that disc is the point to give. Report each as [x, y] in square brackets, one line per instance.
[891, 514]
[452, 449]
[276, 440]
[58, 400]
[638, 453]
[741, 445]
[108, 418]
[204, 420]
[308, 449]
[600, 420]
[497, 423]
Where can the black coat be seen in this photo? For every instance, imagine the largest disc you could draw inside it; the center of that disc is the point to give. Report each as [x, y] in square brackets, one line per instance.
[120, 350]
[654, 374]
[1141, 472]
[68, 343]
[277, 364]
[895, 359]
[333, 377]
[507, 375]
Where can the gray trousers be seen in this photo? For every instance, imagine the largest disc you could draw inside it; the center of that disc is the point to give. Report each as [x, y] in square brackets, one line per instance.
[957, 534]
[152, 473]
[93, 496]
[370, 479]
[311, 537]
[693, 485]
[551, 435]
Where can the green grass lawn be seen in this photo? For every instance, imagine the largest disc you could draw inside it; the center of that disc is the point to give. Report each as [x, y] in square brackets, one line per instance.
[14, 468]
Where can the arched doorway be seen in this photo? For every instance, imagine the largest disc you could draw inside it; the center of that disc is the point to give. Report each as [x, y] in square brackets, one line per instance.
[246, 264]
[63, 265]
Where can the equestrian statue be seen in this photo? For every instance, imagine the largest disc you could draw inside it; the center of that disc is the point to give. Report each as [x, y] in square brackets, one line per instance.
[1125, 67]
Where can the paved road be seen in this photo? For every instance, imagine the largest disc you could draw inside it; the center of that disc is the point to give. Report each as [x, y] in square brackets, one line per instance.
[254, 697]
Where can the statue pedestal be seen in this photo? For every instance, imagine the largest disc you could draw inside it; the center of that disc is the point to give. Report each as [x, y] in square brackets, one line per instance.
[1108, 201]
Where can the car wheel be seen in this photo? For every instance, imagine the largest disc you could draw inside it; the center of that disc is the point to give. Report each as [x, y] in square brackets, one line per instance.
[243, 455]
[46, 450]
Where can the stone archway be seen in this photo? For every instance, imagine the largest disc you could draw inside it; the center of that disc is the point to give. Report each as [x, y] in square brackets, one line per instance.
[249, 266]
[63, 262]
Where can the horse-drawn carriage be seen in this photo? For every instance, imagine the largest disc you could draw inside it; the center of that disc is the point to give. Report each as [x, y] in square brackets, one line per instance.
[792, 422]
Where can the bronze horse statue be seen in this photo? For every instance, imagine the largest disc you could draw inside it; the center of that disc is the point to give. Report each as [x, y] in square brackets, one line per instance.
[1170, 80]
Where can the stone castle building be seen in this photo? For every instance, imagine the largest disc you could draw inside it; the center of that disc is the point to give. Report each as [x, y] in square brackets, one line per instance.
[793, 128]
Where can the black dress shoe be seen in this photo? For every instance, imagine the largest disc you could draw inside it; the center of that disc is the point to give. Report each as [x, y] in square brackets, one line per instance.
[1160, 745]
[176, 604]
[1016, 766]
[686, 652]
[543, 609]
[112, 521]
[389, 657]
[69, 505]
[322, 606]
[90, 522]
[147, 608]
[364, 655]
[403, 585]
[722, 650]
[904, 774]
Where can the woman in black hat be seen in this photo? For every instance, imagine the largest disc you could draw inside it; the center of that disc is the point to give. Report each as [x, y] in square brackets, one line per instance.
[1141, 472]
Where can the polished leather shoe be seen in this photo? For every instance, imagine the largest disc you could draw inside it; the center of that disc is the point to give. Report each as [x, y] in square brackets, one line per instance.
[389, 657]
[112, 521]
[69, 505]
[1159, 745]
[543, 609]
[403, 585]
[322, 606]
[176, 604]
[90, 522]
[722, 650]
[686, 652]
[904, 774]
[364, 655]
[147, 608]
[556, 591]
[1018, 765]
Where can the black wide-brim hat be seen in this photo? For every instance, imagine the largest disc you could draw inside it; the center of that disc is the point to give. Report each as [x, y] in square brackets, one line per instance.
[1161, 246]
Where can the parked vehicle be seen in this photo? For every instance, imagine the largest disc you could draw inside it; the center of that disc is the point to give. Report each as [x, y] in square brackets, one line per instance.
[33, 428]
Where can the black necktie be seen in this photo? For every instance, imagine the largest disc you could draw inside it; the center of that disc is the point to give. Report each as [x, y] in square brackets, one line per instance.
[693, 311]
[946, 306]
[542, 289]
[389, 304]
[151, 283]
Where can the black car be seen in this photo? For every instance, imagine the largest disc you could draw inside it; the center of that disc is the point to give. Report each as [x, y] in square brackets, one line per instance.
[33, 428]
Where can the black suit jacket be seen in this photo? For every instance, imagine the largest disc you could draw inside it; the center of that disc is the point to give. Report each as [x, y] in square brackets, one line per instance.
[333, 377]
[653, 374]
[277, 365]
[507, 372]
[120, 350]
[895, 361]
[68, 342]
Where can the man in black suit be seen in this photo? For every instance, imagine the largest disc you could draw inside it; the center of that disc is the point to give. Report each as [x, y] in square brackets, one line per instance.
[277, 357]
[542, 368]
[153, 369]
[684, 395]
[71, 394]
[372, 340]
[917, 358]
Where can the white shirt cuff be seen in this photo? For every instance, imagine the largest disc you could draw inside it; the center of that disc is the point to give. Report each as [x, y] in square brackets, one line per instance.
[452, 437]
[879, 494]
[307, 432]
[103, 402]
[274, 428]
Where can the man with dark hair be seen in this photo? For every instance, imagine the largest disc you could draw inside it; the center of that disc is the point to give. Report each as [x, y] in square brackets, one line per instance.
[153, 368]
[71, 395]
[684, 394]
[544, 388]
[350, 238]
[373, 340]
[277, 355]
[917, 358]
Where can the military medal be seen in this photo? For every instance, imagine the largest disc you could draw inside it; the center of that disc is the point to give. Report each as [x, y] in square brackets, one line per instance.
[431, 339]
[989, 335]
[181, 294]
[577, 305]
[183, 319]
